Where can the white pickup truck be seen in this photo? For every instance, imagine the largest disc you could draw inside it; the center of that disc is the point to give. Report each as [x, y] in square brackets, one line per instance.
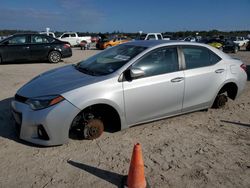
[74, 39]
[150, 36]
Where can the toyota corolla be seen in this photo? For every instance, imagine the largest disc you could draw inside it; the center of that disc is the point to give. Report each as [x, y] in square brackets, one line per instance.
[126, 85]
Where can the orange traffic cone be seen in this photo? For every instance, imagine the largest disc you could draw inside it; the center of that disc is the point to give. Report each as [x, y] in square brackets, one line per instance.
[136, 176]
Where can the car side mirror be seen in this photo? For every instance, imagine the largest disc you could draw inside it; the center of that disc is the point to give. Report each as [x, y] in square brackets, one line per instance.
[130, 74]
[136, 73]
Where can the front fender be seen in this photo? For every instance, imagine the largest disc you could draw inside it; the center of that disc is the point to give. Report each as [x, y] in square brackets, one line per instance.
[114, 105]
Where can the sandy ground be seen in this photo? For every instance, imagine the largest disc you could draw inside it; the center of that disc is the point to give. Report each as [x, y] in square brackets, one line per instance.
[201, 149]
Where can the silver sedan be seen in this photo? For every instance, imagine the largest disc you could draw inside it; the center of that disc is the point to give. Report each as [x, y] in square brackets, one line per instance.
[122, 86]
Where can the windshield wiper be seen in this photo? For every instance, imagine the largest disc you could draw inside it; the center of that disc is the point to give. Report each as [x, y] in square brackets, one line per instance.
[86, 70]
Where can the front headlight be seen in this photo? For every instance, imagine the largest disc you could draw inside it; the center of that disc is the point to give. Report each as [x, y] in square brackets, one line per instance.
[44, 102]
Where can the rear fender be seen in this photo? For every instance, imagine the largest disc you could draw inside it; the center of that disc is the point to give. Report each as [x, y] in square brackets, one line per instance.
[222, 85]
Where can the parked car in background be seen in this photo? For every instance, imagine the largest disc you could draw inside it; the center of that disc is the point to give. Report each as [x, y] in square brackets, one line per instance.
[95, 39]
[248, 46]
[101, 38]
[84, 45]
[167, 37]
[190, 39]
[204, 40]
[112, 42]
[217, 43]
[241, 41]
[149, 36]
[74, 39]
[227, 45]
[230, 46]
[33, 47]
[125, 85]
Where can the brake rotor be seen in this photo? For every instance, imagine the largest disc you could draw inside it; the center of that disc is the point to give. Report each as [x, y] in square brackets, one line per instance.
[93, 129]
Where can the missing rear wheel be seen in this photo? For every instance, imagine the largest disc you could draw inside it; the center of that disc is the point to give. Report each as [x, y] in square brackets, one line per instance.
[220, 101]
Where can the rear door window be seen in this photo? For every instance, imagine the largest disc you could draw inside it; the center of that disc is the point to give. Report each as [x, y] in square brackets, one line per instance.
[18, 40]
[196, 57]
[40, 39]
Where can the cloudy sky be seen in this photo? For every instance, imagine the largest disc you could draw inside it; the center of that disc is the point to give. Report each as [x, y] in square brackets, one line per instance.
[126, 15]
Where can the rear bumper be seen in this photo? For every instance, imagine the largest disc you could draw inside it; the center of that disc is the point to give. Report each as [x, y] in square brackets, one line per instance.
[241, 84]
[55, 120]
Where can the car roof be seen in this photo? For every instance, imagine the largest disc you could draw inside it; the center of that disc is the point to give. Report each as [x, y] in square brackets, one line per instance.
[25, 34]
[153, 43]
[160, 43]
[28, 34]
[21, 34]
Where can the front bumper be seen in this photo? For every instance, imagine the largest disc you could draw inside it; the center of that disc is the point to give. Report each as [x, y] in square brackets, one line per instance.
[55, 120]
[66, 53]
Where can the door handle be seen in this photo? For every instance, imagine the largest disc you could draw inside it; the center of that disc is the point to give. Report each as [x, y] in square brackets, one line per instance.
[219, 70]
[26, 47]
[178, 79]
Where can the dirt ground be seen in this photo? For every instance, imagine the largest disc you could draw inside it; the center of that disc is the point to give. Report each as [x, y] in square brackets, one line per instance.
[200, 149]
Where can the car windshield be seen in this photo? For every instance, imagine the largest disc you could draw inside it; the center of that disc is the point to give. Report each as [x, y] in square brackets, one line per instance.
[5, 37]
[109, 60]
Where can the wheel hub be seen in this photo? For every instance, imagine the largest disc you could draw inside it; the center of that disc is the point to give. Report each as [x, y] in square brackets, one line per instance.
[222, 99]
[93, 129]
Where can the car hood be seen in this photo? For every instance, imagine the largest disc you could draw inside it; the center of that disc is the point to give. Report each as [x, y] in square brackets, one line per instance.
[56, 82]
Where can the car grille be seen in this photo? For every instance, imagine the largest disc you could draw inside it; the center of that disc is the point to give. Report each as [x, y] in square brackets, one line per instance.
[20, 98]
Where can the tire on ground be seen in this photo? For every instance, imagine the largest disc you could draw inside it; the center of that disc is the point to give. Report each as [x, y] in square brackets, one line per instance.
[54, 57]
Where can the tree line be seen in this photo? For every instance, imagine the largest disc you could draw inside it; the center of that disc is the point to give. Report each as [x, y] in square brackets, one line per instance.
[177, 34]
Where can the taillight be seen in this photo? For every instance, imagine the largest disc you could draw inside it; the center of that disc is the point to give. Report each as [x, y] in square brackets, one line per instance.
[66, 46]
[244, 67]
